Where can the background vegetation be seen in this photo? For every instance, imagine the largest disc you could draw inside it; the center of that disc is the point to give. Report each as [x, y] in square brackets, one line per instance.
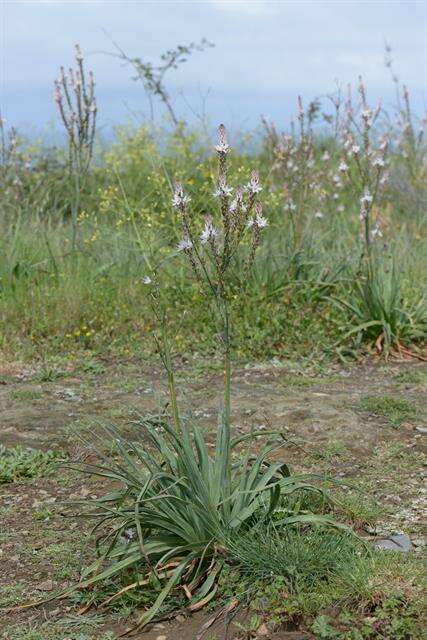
[78, 224]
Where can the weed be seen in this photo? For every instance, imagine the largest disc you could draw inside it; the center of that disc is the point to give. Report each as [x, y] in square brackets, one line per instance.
[153, 77]
[26, 395]
[379, 310]
[67, 628]
[75, 98]
[11, 593]
[301, 558]
[18, 463]
[49, 371]
[359, 508]
[411, 376]
[395, 410]
[92, 366]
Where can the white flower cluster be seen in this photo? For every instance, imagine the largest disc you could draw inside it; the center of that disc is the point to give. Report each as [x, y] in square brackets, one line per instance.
[209, 232]
[259, 221]
[290, 205]
[253, 185]
[184, 244]
[179, 199]
[222, 148]
[222, 190]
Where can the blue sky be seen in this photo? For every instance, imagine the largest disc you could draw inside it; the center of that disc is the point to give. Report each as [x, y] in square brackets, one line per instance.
[266, 53]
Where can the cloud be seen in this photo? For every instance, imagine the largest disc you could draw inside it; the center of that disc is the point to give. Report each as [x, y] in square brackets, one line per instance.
[248, 7]
[265, 53]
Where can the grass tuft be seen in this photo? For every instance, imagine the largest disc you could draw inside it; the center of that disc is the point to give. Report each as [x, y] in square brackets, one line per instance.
[395, 410]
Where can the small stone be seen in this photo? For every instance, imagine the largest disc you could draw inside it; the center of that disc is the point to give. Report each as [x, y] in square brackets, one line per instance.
[421, 429]
[263, 631]
[371, 530]
[161, 638]
[400, 542]
[47, 585]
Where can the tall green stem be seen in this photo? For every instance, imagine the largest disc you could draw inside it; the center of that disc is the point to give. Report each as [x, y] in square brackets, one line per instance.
[226, 417]
[76, 204]
[227, 362]
[368, 236]
[171, 379]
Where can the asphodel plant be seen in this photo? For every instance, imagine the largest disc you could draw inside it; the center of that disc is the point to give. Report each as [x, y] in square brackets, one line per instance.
[174, 504]
[364, 166]
[75, 98]
[211, 252]
[378, 311]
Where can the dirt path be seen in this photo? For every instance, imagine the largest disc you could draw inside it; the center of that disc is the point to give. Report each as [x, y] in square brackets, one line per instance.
[323, 408]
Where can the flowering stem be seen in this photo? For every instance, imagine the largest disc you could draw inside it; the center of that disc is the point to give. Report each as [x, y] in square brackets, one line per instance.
[227, 363]
[294, 231]
[165, 353]
[227, 390]
[367, 235]
[167, 361]
[75, 209]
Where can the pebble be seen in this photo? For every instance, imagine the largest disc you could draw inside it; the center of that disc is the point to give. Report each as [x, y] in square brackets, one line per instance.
[263, 631]
[47, 585]
[400, 542]
[419, 542]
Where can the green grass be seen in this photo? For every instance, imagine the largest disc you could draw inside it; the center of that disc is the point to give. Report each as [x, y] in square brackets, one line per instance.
[302, 558]
[68, 628]
[12, 593]
[26, 395]
[20, 463]
[297, 577]
[394, 410]
[64, 556]
[412, 376]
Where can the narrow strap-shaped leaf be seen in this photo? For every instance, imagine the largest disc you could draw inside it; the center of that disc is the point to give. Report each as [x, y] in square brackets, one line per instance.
[173, 580]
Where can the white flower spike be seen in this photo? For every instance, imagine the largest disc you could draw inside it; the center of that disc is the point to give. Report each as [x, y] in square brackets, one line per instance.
[184, 244]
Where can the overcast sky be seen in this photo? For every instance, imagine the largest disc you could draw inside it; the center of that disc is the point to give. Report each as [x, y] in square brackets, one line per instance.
[266, 52]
